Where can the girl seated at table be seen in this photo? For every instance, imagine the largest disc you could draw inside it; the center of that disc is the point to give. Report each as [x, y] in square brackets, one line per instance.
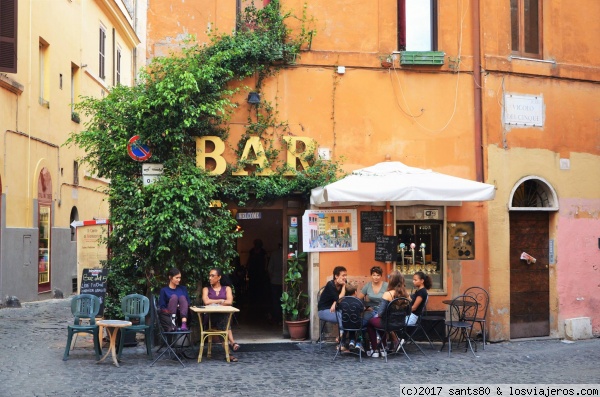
[422, 283]
[396, 289]
[173, 298]
[219, 293]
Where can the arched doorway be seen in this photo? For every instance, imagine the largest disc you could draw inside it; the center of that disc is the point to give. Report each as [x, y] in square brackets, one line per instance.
[531, 201]
[44, 227]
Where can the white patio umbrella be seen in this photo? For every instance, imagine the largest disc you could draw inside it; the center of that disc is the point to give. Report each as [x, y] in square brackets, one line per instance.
[398, 184]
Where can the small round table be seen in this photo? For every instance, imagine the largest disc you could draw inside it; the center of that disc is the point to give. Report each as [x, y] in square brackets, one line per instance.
[112, 326]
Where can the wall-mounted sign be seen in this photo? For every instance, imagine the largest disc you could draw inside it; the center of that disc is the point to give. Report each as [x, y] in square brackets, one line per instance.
[371, 226]
[151, 172]
[329, 230]
[523, 110]
[249, 215]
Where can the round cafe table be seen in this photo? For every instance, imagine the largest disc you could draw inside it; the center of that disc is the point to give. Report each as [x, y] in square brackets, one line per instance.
[112, 326]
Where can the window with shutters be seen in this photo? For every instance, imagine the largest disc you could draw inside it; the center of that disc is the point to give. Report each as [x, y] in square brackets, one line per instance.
[43, 74]
[417, 25]
[526, 27]
[102, 54]
[8, 36]
[118, 65]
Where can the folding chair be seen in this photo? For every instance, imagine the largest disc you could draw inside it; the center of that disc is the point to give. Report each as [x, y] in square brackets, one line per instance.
[349, 312]
[463, 311]
[322, 323]
[433, 321]
[483, 300]
[170, 340]
[394, 320]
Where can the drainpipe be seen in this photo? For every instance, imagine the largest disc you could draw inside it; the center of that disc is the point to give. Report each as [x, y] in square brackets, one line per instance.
[477, 91]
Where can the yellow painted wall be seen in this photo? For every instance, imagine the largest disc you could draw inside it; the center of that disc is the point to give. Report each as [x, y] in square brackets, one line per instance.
[72, 44]
[33, 133]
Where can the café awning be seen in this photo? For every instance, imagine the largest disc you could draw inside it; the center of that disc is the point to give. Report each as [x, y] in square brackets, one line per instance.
[400, 185]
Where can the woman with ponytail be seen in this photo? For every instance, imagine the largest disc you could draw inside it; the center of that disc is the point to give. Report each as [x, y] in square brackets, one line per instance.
[422, 283]
[396, 289]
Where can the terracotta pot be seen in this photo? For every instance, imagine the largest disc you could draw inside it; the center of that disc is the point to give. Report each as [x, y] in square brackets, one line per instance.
[298, 329]
[386, 64]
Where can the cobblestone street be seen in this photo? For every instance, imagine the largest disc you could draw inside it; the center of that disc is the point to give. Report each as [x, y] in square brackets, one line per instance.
[32, 343]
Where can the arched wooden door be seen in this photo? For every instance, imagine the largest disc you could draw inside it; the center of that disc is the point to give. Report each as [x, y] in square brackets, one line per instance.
[531, 202]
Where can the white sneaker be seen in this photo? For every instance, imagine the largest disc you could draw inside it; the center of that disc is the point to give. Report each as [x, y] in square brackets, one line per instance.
[375, 354]
[383, 353]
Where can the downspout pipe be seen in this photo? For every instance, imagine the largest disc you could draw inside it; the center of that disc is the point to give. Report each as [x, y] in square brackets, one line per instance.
[477, 97]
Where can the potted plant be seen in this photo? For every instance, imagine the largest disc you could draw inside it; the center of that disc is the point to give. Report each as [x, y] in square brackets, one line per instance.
[387, 60]
[294, 301]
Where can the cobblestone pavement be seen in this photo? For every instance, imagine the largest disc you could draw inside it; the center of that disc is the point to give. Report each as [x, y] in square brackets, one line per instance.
[32, 343]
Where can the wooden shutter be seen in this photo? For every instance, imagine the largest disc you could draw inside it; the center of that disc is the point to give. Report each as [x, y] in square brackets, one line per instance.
[8, 36]
[102, 53]
[401, 25]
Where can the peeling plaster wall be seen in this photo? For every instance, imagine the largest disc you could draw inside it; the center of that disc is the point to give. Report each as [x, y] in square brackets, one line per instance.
[578, 272]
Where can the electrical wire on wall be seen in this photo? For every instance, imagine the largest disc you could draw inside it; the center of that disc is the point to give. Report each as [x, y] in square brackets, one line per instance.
[410, 112]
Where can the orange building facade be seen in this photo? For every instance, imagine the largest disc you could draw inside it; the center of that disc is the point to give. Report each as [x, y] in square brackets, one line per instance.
[395, 79]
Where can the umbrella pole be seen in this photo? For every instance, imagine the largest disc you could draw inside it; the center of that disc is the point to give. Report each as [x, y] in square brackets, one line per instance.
[388, 230]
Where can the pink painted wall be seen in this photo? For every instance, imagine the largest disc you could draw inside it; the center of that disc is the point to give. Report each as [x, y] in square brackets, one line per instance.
[578, 260]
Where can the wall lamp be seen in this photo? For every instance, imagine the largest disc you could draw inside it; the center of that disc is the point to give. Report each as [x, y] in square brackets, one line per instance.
[253, 98]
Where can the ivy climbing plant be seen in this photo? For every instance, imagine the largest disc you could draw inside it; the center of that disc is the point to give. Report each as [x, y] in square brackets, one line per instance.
[171, 222]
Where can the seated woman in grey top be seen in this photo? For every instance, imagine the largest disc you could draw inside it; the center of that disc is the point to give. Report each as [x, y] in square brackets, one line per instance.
[372, 292]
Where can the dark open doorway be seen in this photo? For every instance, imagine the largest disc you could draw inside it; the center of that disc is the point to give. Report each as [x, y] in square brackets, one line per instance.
[258, 276]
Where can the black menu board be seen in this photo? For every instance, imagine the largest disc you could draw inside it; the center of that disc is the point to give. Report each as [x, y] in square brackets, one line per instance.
[371, 226]
[386, 248]
[93, 282]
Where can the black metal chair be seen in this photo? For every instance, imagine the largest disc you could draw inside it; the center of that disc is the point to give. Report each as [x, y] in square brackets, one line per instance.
[174, 342]
[393, 319]
[135, 307]
[84, 307]
[322, 323]
[433, 322]
[463, 311]
[411, 331]
[483, 300]
[349, 312]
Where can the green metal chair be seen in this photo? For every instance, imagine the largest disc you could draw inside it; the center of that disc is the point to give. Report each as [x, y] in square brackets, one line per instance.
[84, 306]
[135, 308]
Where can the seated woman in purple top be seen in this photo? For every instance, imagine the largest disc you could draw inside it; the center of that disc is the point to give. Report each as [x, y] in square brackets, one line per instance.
[173, 297]
[219, 292]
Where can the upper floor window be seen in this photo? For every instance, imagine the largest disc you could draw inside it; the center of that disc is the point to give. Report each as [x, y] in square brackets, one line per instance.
[102, 54]
[526, 27]
[118, 60]
[8, 36]
[417, 25]
[43, 73]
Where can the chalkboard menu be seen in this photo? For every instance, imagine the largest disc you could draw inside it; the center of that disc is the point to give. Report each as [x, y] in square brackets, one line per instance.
[386, 248]
[93, 282]
[371, 226]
